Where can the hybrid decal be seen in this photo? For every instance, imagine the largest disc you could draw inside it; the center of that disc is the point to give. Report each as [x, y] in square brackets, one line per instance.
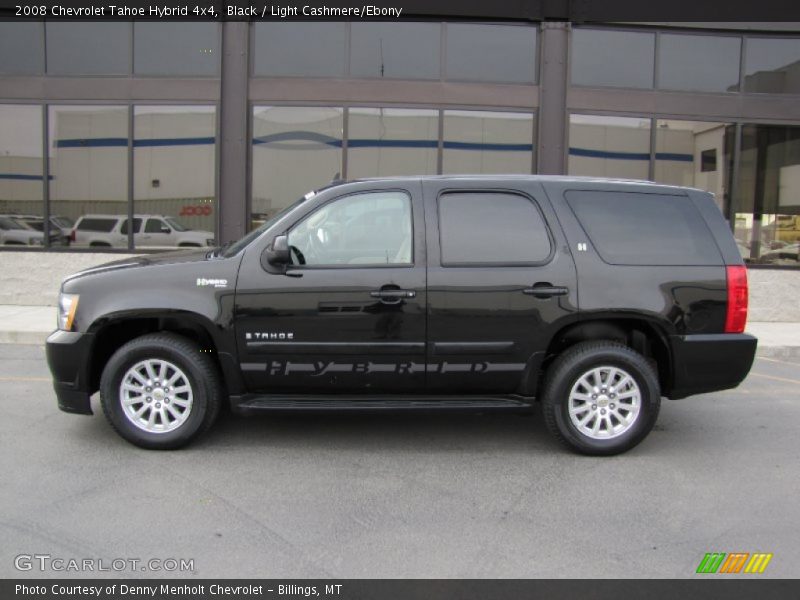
[323, 367]
[217, 283]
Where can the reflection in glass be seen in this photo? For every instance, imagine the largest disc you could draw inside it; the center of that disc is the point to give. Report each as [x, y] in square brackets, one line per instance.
[483, 52]
[612, 58]
[767, 201]
[21, 185]
[300, 49]
[602, 146]
[88, 148]
[174, 166]
[384, 142]
[86, 48]
[21, 48]
[487, 142]
[395, 50]
[693, 153]
[176, 48]
[295, 149]
[702, 63]
[772, 66]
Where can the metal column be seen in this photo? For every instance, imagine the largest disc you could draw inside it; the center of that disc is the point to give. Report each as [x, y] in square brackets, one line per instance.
[233, 127]
[553, 98]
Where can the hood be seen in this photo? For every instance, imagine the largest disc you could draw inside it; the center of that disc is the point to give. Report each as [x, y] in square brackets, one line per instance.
[147, 260]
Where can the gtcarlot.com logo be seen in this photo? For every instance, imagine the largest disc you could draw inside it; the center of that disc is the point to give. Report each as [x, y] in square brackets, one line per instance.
[48, 562]
[733, 563]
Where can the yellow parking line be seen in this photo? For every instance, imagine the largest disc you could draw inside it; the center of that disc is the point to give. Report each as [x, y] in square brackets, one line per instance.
[2, 378]
[784, 379]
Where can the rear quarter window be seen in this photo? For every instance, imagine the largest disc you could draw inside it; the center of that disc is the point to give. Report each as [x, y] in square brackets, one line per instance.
[102, 225]
[632, 228]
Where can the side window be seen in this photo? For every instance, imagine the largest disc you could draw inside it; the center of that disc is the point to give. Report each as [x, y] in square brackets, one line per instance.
[363, 229]
[631, 228]
[99, 225]
[491, 228]
[154, 226]
[137, 225]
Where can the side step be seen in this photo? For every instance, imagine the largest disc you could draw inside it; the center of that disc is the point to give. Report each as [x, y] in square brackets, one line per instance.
[252, 403]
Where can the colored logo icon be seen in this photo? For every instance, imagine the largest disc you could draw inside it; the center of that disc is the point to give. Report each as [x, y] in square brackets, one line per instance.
[735, 562]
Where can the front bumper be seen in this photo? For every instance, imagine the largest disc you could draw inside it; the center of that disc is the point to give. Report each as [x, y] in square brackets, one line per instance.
[709, 363]
[68, 358]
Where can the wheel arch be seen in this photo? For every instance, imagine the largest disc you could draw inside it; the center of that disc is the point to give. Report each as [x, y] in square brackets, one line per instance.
[641, 334]
[113, 331]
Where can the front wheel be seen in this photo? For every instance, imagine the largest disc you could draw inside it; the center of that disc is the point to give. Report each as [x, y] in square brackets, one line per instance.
[159, 391]
[601, 398]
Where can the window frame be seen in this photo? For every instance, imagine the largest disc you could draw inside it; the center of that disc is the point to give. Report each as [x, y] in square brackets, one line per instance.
[306, 215]
[512, 192]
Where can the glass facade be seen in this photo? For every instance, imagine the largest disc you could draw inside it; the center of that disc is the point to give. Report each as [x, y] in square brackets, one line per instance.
[395, 50]
[392, 141]
[772, 66]
[295, 149]
[695, 154]
[88, 161]
[609, 146]
[501, 53]
[21, 176]
[682, 105]
[699, 63]
[176, 48]
[174, 183]
[612, 58]
[766, 208]
[487, 142]
[72, 48]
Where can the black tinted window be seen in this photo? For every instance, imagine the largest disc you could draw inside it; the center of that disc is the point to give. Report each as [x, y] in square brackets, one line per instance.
[491, 228]
[154, 226]
[137, 225]
[104, 225]
[629, 228]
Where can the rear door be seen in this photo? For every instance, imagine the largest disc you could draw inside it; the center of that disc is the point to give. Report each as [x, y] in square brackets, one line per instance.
[500, 282]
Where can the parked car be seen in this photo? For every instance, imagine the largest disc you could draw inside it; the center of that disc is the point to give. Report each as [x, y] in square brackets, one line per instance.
[478, 293]
[149, 231]
[14, 232]
[60, 227]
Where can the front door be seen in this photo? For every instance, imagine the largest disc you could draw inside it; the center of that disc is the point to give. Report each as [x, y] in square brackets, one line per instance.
[349, 313]
[499, 278]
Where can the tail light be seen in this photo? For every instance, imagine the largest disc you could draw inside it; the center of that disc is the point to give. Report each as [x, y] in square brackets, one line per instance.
[72, 236]
[736, 316]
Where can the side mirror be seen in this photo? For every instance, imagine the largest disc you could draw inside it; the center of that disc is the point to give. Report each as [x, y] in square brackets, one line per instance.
[277, 253]
[165, 229]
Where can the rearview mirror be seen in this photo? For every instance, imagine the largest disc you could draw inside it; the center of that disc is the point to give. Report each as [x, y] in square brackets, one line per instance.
[278, 252]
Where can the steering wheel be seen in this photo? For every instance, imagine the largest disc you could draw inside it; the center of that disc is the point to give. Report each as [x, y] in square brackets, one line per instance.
[301, 259]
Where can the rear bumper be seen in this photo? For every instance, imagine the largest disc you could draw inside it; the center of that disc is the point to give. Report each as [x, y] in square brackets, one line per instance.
[67, 356]
[709, 363]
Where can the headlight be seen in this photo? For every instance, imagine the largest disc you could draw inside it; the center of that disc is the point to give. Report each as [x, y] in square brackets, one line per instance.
[35, 242]
[67, 306]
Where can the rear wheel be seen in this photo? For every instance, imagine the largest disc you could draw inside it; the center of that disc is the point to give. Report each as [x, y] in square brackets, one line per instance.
[601, 398]
[160, 392]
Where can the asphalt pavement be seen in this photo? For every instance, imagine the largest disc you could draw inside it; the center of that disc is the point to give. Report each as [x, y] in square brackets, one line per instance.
[402, 496]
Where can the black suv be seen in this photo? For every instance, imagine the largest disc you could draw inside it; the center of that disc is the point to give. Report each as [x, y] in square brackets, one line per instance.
[475, 293]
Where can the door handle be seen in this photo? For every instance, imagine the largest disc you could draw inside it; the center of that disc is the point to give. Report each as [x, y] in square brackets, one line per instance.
[545, 290]
[393, 296]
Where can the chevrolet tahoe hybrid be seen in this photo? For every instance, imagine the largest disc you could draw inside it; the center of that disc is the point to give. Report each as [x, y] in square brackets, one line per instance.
[475, 293]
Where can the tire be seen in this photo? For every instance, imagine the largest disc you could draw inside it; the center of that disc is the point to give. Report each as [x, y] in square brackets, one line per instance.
[601, 423]
[184, 411]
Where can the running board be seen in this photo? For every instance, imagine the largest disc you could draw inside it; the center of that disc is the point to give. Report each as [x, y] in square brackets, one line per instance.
[252, 403]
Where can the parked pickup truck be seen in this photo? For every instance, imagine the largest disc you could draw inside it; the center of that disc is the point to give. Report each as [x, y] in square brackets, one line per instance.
[478, 293]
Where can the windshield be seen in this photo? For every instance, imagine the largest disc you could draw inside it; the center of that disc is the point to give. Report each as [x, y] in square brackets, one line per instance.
[175, 224]
[238, 246]
[64, 222]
